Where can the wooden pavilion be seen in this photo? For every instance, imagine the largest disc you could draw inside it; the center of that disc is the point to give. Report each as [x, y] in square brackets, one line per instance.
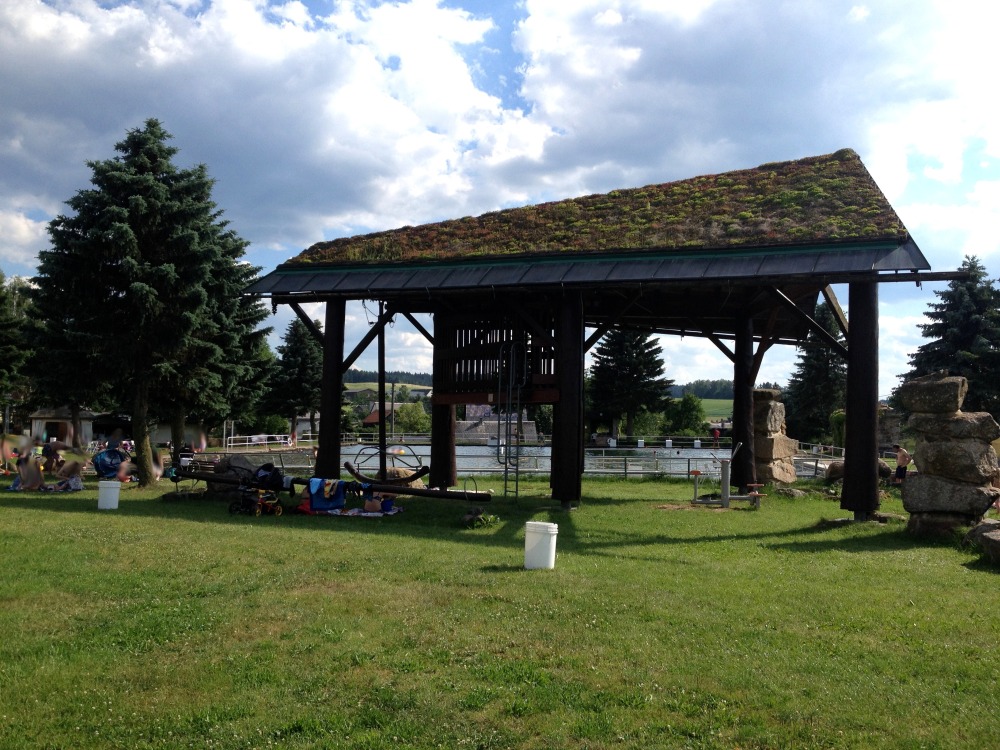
[740, 258]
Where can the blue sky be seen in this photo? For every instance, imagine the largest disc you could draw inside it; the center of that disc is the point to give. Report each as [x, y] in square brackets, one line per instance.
[332, 118]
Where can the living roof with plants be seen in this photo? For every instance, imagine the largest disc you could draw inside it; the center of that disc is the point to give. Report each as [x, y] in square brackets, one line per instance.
[821, 199]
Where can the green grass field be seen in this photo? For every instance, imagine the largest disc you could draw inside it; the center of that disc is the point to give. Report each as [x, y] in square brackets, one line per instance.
[169, 623]
[717, 408]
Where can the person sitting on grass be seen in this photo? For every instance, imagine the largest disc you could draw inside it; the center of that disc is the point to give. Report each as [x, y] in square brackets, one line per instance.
[71, 480]
[29, 474]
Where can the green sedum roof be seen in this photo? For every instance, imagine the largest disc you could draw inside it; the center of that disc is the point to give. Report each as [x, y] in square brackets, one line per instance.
[818, 200]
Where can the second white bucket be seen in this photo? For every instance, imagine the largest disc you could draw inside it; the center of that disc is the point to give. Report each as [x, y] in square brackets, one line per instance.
[107, 494]
[540, 544]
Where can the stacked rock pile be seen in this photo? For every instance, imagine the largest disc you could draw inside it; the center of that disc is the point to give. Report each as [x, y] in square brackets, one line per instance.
[773, 450]
[956, 464]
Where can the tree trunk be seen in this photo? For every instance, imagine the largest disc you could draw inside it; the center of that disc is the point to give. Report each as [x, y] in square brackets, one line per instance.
[76, 424]
[176, 435]
[140, 435]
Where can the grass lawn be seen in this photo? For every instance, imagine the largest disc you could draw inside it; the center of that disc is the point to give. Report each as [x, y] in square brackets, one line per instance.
[717, 409]
[171, 624]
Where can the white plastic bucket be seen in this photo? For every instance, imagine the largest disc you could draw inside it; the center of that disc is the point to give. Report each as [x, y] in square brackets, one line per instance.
[697, 443]
[540, 544]
[668, 443]
[107, 494]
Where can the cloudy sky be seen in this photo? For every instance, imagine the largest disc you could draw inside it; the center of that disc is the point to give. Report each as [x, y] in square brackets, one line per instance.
[331, 118]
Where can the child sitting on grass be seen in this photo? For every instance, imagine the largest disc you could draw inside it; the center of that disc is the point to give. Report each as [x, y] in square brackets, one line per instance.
[71, 480]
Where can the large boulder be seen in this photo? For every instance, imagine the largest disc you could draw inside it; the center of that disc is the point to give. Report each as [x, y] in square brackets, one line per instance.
[774, 448]
[973, 425]
[923, 493]
[778, 472]
[835, 471]
[938, 525]
[934, 394]
[986, 536]
[768, 416]
[970, 461]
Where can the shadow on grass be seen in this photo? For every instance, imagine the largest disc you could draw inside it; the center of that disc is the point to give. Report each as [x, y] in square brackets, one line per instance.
[430, 518]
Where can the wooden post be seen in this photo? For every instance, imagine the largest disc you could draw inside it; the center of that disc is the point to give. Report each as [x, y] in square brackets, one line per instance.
[860, 491]
[331, 396]
[383, 414]
[567, 424]
[744, 472]
[444, 472]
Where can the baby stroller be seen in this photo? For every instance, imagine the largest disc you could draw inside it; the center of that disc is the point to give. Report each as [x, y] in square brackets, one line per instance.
[262, 497]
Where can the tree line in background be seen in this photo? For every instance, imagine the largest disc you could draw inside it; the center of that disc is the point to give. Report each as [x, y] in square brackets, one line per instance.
[137, 308]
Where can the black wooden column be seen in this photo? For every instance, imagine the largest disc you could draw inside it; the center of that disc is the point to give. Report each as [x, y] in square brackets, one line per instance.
[860, 492]
[567, 418]
[331, 396]
[744, 472]
[443, 465]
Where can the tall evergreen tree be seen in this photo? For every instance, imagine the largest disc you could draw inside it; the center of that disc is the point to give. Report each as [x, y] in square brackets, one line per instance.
[964, 335]
[627, 377]
[818, 385]
[216, 376]
[297, 384]
[127, 286]
[13, 345]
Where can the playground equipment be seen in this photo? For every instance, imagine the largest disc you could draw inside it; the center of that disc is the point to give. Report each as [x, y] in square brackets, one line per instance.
[725, 497]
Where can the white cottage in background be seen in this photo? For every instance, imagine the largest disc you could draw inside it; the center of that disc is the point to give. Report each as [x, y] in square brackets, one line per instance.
[56, 424]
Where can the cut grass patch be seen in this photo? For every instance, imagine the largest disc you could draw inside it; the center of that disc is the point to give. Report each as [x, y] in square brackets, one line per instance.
[170, 623]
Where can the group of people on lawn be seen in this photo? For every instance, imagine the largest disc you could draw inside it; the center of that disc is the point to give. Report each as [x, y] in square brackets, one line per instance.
[46, 458]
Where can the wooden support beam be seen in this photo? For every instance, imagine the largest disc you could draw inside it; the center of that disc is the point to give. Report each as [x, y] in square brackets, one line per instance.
[368, 338]
[416, 324]
[331, 394]
[860, 490]
[383, 414]
[720, 345]
[602, 329]
[834, 304]
[444, 472]
[530, 395]
[566, 478]
[744, 472]
[758, 358]
[815, 327]
[310, 324]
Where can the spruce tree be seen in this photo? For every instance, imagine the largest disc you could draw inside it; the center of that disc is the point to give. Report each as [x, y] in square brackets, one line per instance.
[964, 335]
[817, 386]
[627, 377]
[131, 280]
[13, 343]
[297, 384]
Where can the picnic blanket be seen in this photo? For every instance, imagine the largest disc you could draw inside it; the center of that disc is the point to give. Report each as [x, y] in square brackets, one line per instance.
[328, 497]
